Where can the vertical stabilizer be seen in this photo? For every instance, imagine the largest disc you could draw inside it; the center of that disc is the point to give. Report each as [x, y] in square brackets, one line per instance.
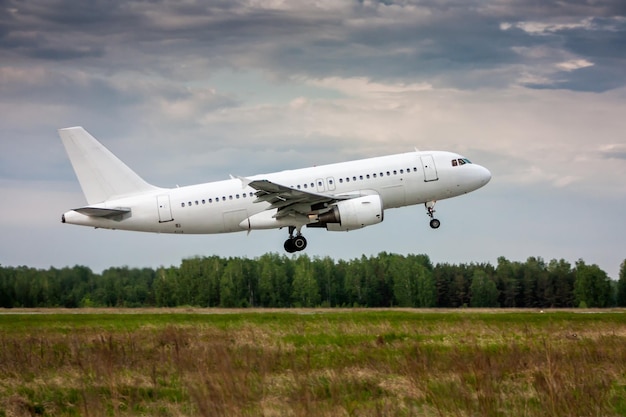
[100, 173]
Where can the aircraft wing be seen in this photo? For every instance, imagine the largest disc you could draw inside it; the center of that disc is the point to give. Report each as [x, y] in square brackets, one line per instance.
[289, 200]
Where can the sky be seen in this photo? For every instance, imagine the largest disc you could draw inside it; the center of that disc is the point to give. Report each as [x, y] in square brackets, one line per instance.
[190, 91]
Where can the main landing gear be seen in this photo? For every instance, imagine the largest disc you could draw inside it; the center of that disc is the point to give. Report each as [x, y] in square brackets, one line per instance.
[430, 210]
[295, 243]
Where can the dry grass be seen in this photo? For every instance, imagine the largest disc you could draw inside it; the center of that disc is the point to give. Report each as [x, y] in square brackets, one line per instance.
[381, 363]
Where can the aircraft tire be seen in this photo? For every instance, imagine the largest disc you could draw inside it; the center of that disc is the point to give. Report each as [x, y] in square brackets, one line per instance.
[299, 243]
[289, 246]
[434, 223]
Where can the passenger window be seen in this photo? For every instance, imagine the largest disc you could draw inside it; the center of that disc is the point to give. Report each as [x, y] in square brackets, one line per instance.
[237, 196]
[319, 183]
[196, 202]
[388, 173]
[395, 172]
[360, 177]
[189, 203]
[223, 198]
[210, 200]
[203, 201]
[347, 179]
[374, 175]
[401, 171]
[182, 204]
[306, 186]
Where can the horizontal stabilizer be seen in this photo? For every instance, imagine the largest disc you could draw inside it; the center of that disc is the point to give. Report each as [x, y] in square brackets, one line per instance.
[116, 213]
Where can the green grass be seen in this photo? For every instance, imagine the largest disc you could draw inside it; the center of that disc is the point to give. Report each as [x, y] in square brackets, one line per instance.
[312, 362]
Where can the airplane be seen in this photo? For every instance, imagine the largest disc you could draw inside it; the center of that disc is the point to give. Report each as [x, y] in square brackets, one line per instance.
[342, 196]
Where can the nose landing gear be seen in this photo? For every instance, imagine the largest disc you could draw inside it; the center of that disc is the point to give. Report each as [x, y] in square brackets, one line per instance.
[295, 243]
[430, 210]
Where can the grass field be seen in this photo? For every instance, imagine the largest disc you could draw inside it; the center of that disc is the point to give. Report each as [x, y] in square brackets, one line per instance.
[312, 363]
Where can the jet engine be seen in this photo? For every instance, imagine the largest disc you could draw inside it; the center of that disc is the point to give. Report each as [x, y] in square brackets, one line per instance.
[352, 214]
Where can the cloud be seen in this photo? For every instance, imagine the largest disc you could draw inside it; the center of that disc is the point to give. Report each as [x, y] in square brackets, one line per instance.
[461, 45]
[187, 92]
[574, 64]
[613, 151]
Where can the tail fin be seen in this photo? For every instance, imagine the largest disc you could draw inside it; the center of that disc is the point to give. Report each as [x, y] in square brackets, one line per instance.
[100, 173]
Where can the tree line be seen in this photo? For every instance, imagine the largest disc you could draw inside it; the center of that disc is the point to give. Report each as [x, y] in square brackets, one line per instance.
[272, 280]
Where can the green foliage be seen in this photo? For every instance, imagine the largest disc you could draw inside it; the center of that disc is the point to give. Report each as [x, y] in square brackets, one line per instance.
[592, 286]
[483, 290]
[305, 287]
[274, 280]
[621, 286]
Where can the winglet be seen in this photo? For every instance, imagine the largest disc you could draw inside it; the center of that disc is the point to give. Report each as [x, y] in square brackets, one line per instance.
[244, 181]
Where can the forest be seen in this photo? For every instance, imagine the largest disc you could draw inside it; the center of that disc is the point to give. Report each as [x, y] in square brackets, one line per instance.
[273, 280]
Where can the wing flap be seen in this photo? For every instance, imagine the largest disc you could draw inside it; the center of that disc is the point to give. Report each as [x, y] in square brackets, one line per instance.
[287, 200]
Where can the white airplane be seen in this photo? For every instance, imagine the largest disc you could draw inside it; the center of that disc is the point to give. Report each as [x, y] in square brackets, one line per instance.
[339, 197]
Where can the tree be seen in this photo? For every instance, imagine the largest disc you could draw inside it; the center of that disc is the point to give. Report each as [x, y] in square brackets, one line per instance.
[305, 288]
[592, 286]
[413, 281]
[353, 282]
[483, 290]
[232, 287]
[562, 279]
[327, 281]
[404, 285]
[621, 286]
[534, 278]
[506, 279]
[273, 284]
[422, 268]
[164, 287]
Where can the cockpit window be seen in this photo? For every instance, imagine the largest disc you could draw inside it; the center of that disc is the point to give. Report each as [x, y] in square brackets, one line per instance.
[460, 161]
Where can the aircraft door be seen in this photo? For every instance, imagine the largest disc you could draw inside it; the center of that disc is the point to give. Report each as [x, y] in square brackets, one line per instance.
[320, 185]
[165, 210]
[330, 181]
[430, 170]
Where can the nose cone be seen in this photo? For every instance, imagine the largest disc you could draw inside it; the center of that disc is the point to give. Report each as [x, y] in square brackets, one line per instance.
[484, 175]
[478, 177]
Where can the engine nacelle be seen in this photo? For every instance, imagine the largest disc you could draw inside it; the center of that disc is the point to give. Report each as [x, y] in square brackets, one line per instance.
[352, 214]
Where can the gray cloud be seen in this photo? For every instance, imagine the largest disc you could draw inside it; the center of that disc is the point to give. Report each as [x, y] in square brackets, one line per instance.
[454, 43]
[191, 91]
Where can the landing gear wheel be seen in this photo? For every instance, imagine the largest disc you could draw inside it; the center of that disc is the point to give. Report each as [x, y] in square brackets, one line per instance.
[295, 243]
[289, 246]
[299, 243]
[430, 210]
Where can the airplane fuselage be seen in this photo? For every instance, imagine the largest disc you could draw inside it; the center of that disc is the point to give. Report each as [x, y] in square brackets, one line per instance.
[229, 206]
